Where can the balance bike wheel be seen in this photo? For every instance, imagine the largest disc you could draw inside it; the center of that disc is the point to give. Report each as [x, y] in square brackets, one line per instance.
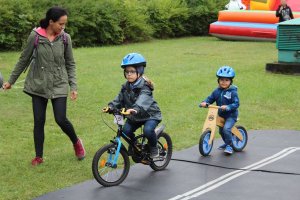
[237, 144]
[204, 146]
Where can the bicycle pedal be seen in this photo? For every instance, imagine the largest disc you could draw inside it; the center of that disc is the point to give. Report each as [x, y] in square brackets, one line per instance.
[162, 154]
[145, 162]
[158, 159]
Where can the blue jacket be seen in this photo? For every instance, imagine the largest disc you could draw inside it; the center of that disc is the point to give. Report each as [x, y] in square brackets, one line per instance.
[227, 97]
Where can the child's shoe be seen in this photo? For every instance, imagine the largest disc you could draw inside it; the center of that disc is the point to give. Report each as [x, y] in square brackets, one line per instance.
[228, 149]
[154, 152]
[36, 161]
[222, 147]
[79, 149]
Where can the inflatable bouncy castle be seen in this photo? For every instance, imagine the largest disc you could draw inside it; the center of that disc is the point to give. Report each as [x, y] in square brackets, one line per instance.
[258, 22]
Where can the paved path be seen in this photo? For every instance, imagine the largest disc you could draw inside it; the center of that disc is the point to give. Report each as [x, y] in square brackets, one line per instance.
[269, 168]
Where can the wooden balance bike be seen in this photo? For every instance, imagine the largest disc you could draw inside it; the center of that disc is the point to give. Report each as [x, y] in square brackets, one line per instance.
[239, 133]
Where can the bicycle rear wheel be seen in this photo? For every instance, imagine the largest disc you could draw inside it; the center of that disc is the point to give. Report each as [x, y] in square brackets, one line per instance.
[237, 144]
[164, 144]
[104, 171]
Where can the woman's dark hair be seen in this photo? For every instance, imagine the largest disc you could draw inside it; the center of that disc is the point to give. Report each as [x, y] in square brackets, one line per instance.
[53, 14]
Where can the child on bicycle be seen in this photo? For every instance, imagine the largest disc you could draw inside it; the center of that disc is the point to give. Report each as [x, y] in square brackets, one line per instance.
[226, 97]
[136, 96]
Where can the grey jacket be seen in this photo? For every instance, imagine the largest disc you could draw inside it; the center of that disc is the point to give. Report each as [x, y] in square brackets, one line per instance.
[139, 98]
[52, 71]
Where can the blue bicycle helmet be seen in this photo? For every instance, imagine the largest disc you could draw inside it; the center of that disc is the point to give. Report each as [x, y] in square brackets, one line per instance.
[133, 59]
[225, 72]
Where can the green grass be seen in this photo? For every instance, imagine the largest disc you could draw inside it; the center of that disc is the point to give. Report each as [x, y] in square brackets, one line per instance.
[184, 73]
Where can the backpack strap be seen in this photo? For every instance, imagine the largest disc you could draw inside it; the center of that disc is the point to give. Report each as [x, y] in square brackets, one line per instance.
[65, 39]
[36, 40]
[35, 45]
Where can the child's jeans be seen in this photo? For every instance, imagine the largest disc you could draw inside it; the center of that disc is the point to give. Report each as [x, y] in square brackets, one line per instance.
[149, 126]
[225, 131]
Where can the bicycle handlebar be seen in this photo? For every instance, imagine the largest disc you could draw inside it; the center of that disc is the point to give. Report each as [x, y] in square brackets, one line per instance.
[124, 112]
[105, 109]
[210, 106]
[213, 106]
[115, 111]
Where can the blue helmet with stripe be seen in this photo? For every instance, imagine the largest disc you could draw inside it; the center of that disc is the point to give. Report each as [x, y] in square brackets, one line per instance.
[225, 72]
[133, 59]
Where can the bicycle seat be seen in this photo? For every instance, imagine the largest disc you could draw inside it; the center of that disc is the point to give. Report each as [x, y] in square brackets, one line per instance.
[159, 129]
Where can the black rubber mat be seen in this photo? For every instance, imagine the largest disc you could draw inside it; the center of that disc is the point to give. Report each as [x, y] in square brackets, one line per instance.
[268, 168]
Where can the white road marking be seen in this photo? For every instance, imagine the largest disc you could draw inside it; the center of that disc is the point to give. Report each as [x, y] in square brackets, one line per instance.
[232, 175]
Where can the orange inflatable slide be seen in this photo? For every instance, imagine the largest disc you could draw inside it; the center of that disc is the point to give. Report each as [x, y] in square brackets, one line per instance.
[273, 4]
[255, 16]
[258, 23]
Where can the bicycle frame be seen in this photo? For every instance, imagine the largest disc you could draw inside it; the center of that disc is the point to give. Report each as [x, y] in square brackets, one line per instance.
[213, 120]
[118, 141]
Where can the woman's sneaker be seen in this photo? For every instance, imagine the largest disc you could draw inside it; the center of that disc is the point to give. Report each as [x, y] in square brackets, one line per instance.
[79, 150]
[36, 161]
[222, 147]
[154, 152]
[228, 149]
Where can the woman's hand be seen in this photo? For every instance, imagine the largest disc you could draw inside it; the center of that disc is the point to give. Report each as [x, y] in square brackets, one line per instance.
[6, 86]
[74, 95]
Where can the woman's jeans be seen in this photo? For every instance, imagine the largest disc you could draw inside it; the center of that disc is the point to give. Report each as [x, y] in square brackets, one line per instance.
[225, 131]
[39, 106]
[149, 127]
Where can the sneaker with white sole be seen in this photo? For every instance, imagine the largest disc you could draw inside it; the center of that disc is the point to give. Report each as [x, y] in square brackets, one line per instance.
[228, 149]
[154, 152]
[37, 161]
[222, 147]
[79, 150]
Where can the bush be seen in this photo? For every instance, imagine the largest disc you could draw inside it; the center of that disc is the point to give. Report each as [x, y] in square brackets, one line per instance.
[167, 17]
[16, 18]
[103, 22]
[93, 23]
[201, 14]
[106, 22]
[135, 21]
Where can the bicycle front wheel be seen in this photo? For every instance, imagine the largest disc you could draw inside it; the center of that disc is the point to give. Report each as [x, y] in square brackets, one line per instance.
[204, 146]
[105, 171]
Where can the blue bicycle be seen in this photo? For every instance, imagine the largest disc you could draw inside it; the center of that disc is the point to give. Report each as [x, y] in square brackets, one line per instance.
[111, 162]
